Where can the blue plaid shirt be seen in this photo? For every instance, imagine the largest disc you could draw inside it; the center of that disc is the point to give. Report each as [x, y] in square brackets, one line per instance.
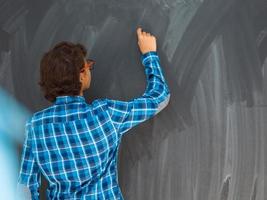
[75, 144]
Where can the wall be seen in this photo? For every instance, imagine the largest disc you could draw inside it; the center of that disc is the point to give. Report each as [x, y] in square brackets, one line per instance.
[209, 142]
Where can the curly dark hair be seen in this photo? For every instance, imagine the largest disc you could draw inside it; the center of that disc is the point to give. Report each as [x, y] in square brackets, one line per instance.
[60, 70]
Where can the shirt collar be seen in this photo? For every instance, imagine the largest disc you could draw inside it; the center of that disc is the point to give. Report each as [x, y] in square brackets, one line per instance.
[69, 99]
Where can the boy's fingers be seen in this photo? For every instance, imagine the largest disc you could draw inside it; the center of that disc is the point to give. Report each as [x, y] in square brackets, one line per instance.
[139, 32]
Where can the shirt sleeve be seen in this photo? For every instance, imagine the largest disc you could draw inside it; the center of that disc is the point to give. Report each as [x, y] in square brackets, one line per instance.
[127, 114]
[29, 174]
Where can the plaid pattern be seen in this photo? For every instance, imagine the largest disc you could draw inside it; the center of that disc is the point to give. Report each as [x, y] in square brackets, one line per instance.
[75, 144]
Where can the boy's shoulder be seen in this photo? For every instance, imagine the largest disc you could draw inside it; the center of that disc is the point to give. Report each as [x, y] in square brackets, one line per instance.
[36, 116]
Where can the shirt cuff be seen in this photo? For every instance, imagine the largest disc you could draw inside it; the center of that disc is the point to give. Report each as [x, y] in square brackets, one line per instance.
[148, 57]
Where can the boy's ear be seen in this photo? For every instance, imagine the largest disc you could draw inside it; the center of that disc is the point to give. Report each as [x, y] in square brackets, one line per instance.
[81, 76]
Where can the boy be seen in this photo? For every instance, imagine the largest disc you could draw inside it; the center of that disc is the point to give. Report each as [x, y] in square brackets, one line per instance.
[75, 144]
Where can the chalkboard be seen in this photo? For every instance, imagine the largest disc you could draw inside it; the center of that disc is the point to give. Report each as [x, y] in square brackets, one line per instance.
[209, 143]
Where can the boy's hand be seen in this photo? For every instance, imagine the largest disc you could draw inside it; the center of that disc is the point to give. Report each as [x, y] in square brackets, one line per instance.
[146, 41]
